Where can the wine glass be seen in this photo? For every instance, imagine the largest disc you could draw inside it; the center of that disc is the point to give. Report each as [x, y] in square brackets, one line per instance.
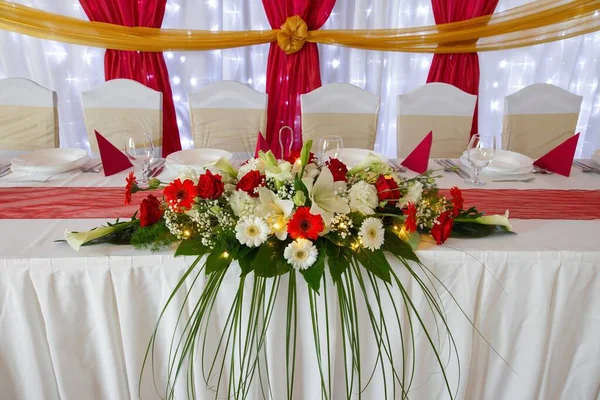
[480, 153]
[140, 152]
[330, 146]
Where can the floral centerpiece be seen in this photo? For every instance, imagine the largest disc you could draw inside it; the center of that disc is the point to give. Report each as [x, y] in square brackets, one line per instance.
[294, 216]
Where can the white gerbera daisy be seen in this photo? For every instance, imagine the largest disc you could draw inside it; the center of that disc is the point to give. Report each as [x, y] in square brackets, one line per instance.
[251, 231]
[372, 234]
[301, 254]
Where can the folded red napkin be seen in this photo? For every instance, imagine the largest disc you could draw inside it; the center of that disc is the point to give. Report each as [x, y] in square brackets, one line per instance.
[560, 159]
[261, 144]
[418, 159]
[113, 159]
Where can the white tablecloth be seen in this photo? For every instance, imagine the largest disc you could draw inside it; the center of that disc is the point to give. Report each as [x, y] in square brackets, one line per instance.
[76, 325]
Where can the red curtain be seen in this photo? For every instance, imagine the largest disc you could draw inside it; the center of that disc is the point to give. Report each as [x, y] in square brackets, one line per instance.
[147, 68]
[460, 70]
[289, 76]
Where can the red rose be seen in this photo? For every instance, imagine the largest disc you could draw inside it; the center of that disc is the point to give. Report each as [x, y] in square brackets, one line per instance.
[442, 227]
[210, 186]
[250, 182]
[338, 169]
[387, 189]
[457, 201]
[150, 211]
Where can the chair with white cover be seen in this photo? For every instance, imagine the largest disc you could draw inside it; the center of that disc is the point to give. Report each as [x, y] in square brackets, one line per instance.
[119, 108]
[28, 115]
[341, 109]
[538, 118]
[227, 115]
[443, 109]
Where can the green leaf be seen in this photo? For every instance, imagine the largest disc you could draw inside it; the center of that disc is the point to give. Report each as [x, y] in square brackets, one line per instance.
[269, 261]
[314, 273]
[375, 262]
[246, 259]
[191, 247]
[338, 260]
[217, 260]
[398, 247]
[474, 230]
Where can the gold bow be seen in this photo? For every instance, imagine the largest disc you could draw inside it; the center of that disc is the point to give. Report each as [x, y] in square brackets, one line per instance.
[292, 35]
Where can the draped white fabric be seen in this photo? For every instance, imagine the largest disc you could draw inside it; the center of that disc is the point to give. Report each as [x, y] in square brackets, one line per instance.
[68, 69]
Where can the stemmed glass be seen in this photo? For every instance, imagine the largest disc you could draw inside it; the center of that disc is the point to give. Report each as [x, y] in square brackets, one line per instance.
[140, 152]
[480, 153]
[330, 146]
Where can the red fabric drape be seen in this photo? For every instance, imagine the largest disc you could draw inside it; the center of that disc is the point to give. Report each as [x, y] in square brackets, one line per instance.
[147, 68]
[289, 76]
[460, 70]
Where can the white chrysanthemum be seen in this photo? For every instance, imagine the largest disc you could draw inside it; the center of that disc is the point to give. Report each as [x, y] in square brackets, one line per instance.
[363, 198]
[301, 253]
[242, 204]
[372, 234]
[412, 196]
[253, 164]
[188, 173]
[251, 231]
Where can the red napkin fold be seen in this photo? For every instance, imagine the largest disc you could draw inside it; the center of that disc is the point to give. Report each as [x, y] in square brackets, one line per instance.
[560, 159]
[418, 159]
[261, 145]
[113, 159]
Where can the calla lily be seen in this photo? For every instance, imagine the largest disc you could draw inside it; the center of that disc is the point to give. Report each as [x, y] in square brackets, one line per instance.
[324, 200]
[371, 162]
[499, 220]
[281, 172]
[275, 210]
[224, 165]
[77, 239]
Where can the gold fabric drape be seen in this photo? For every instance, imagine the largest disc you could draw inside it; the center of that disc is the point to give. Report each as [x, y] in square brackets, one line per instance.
[538, 22]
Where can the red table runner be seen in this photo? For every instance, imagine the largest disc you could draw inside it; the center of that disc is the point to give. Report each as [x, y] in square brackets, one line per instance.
[94, 202]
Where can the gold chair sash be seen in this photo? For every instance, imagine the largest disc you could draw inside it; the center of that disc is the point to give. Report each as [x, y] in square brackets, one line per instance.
[357, 130]
[450, 134]
[28, 128]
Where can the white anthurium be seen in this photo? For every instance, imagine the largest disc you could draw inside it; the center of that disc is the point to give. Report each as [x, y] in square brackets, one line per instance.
[275, 210]
[324, 200]
[282, 172]
[500, 220]
[412, 196]
[78, 239]
[371, 162]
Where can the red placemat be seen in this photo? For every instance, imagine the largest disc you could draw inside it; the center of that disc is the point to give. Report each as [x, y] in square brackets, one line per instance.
[75, 203]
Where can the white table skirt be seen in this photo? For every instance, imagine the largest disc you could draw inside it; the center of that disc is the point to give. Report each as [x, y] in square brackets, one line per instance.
[76, 325]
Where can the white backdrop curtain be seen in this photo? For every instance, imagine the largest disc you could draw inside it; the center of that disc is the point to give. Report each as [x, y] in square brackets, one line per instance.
[69, 69]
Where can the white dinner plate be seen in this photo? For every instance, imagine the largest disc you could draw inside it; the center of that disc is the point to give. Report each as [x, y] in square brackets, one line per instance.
[505, 163]
[195, 158]
[49, 161]
[351, 156]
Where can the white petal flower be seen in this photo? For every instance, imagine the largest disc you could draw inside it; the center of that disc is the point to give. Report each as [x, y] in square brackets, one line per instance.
[372, 234]
[363, 198]
[242, 204]
[275, 210]
[184, 173]
[251, 231]
[412, 196]
[301, 254]
[501, 220]
[253, 164]
[324, 200]
[281, 172]
[76, 240]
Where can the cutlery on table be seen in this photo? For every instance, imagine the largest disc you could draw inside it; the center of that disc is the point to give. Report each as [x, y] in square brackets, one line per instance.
[397, 166]
[538, 170]
[157, 168]
[586, 168]
[94, 168]
[5, 170]
[449, 168]
[528, 180]
[463, 173]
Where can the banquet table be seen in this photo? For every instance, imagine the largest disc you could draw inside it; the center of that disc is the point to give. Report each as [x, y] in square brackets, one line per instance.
[75, 325]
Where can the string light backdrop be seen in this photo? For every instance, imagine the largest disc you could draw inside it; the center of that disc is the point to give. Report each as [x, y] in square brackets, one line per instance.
[69, 69]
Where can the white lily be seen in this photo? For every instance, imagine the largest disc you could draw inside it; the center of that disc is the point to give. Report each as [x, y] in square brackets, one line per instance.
[77, 239]
[281, 172]
[324, 200]
[500, 220]
[276, 211]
